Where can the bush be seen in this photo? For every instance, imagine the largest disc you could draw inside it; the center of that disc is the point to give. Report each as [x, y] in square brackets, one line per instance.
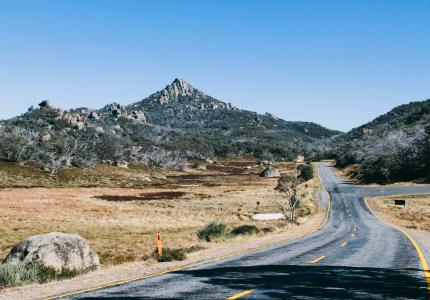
[194, 248]
[20, 274]
[212, 230]
[306, 172]
[171, 254]
[244, 229]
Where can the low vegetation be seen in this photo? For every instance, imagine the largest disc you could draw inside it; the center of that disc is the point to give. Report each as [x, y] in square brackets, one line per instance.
[20, 274]
[171, 254]
[393, 147]
[165, 130]
[177, 204]
[244, 230]
[213, 230]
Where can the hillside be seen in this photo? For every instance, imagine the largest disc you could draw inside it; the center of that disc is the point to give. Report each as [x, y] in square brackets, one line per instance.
[177, 123]
[393, 147]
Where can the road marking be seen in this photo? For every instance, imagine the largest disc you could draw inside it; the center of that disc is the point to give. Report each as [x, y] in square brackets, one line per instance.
[317, 259]
[116, 283]
[328, 205]
[237, 296]
[344, 244]
[417, 248]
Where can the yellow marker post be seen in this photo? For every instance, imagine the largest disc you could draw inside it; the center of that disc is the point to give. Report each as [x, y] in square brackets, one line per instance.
[159, 245]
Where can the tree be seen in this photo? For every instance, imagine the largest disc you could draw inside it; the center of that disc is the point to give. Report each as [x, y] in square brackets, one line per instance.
[18, 144]
[306, 172]
[289, 200]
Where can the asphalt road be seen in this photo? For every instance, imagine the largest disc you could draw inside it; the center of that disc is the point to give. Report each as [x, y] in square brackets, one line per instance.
[353, 256]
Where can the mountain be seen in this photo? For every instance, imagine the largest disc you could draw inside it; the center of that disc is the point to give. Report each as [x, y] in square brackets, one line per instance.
[393, 147]
[179, 120]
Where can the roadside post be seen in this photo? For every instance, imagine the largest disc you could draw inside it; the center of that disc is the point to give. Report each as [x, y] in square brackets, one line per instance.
[159, 245]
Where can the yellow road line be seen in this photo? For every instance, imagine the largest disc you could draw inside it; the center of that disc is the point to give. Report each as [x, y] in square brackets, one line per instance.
[237, 296]
[344, 244]
[116, 283]
[417, 248]
[317, 259]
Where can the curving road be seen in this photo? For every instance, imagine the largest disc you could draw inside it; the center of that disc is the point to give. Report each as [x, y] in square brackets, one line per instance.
[353, 256]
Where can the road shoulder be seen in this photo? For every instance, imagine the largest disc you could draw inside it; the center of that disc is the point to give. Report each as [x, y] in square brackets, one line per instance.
[420, 237]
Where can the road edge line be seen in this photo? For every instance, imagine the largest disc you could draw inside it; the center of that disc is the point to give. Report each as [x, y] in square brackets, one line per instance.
[237, 296]
[112, 284]
[423, 261]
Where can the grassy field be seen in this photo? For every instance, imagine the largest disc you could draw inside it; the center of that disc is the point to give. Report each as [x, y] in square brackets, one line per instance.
[415, 215]
[119, 211]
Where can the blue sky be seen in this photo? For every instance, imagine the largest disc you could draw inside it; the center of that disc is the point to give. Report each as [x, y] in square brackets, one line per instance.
[337, 63]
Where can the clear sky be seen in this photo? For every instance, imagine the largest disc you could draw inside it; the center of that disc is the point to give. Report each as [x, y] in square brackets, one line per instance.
[337, 63]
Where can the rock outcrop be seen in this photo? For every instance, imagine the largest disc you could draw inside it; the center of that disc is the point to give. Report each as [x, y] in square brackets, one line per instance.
[270, 172]
[57, 250]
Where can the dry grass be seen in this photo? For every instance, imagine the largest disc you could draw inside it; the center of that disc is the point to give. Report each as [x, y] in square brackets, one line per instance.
[416, 214]
[122, 231]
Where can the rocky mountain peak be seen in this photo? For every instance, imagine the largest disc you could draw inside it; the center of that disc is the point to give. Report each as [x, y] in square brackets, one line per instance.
[179, 87]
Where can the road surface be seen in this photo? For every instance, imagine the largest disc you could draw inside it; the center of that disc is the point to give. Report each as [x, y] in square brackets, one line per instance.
[353, 256]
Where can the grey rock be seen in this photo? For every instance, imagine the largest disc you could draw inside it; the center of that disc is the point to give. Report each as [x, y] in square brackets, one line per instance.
[93, 115]
[121, 164]
[270, 172]
[57, 250]
[46, 137]
[159, 176]
[44, 104]
[99, 129]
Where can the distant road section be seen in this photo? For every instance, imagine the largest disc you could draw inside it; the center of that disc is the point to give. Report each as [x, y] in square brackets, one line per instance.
[353, 256]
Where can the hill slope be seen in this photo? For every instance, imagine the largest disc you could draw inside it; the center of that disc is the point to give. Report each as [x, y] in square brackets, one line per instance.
[178, 121]
[395, 146]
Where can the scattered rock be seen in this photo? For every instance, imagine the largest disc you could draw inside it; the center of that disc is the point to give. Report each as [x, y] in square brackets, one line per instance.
[143, 177]
[99, 129]
[79, 125]
[201, 167]
[93, 115]
[138, 116]
[46, 137]
[57, 250]
[270, 172]
[159, 176]
[45, 104]
[121, 164]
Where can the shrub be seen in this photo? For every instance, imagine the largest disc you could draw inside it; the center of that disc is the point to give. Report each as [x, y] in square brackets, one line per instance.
[171, 254]
[306, 172]
[212, 230]
[194, 248]
[20, 274]
[244, 229]
[303, 210]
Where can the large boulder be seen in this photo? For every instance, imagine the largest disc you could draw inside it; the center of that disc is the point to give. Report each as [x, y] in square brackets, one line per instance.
[57, 250]
[270, 172]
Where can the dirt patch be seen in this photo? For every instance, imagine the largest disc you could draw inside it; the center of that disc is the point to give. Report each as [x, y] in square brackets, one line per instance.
[143, 196]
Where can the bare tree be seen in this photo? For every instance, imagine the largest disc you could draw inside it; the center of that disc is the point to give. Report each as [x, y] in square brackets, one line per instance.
[288, 201]
[18, 144]
[158, 157]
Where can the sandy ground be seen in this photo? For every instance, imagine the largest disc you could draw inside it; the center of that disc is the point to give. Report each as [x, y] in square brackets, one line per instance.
[413, 219]
[127, 271]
